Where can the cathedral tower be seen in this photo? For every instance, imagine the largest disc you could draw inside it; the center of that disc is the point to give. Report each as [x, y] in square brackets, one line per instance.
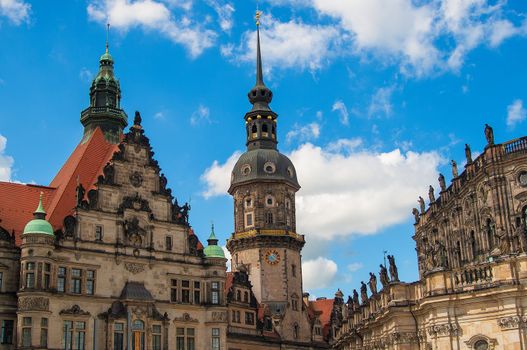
[265, 242]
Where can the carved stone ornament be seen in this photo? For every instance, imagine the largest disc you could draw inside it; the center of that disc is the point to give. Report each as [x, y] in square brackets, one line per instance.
[511, 322]
[75, 310]
[219, 316]
[33, 304]
[443, 330]
[186, 318]
[134, 267]
[136, 179]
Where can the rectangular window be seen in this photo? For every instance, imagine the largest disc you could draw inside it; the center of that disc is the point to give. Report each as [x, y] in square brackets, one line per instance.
[26, 331]
[168, 242]
[7, 332]
[90, 282]
[46, 276]
[185, 339]
[30, 275]
[215, 293]
[173, 291]
[80, 335]
[197, 292]
[249, 318]
[215, 339]
[98, 233]
[185, 292]
[235, 316]
[156, 337]
[190, 339]
[44, 332]
[67, 335]
[61, 279]
[294, 304]
[249, 219]
[118, 336]
[318, 331]
[76, 281]
[180, 338]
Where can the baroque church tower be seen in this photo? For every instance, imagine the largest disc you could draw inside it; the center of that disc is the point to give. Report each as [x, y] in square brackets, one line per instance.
[265, 242]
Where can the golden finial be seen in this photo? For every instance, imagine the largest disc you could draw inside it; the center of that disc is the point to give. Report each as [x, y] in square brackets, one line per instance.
[107, 35]
[258, 14]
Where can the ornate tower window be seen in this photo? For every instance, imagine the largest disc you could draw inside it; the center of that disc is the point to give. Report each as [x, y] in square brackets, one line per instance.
[249, 222]
[269, 201]
[30, 275]
[269, 167]
[248, 202]
[269, 219]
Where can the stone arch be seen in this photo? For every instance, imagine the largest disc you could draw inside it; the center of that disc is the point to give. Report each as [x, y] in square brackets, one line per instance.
[479, 338]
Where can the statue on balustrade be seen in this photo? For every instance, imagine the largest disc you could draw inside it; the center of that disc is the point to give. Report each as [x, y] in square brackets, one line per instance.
[440, 255]
[421, 202]
[468, 153]
[383, 276]
[503, 241]
[521, 235]
[363, 292]
[455, 172]
[356, 304]
[442, 182]
[489, 134]
[373, 283]
[393, 269]
[431, 194]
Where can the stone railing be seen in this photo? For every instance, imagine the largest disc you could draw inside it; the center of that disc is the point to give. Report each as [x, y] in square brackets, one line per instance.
[472, 276]
[516, 146]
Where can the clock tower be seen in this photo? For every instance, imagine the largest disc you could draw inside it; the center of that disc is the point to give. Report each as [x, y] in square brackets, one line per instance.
[265, 241]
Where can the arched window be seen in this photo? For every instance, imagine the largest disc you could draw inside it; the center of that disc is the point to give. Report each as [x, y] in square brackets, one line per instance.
[269, 201]
[138, 335]
[269, 219]
[458, 252]
[473, 245]
[246, 297]
[254, 131]
[274, 132]
[264, 130]
[481, 345]
[490, 233]
[238, 295]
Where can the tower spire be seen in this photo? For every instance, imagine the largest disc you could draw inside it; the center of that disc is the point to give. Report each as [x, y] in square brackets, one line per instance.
[259, 70]
[107, 37]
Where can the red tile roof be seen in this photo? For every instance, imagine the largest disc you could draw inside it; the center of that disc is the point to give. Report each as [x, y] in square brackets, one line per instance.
[18, 201]
[324, 307]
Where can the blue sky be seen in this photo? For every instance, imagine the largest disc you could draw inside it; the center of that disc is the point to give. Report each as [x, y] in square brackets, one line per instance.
[374, 97]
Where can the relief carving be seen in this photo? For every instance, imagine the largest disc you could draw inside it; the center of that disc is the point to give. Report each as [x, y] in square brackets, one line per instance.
[33, 304]
[186, 318]
[134, 267]
[219, 316]
[75, 310]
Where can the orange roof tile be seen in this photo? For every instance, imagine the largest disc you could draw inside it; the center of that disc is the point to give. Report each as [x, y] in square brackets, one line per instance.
[325, 307]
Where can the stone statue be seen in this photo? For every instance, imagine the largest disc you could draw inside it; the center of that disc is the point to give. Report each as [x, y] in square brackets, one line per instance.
[137, 118]
[109, 174]
[393, 268]
[355, 300]
[440, 254]
[455, 172]
[363, 292]
[489, 134]
[431, 195]
[383, 275]
[373, 283]
[468, 153]
[422, 206]
[415, 212]
[442, 182]
[522, 238]
[503, 239]
[80, 194]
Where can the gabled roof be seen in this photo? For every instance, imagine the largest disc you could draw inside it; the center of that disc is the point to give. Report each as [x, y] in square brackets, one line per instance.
[18, 201]
[136, 291]
[323, 307]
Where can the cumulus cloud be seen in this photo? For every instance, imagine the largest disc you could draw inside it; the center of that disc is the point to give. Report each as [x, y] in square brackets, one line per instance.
[342, 110]
[345, 187]
[304, 133]
[152, 15]
[318, 273]
[16, 11]
[6, 162]
[200, 116]
[422, 37]
[218, 176]
[228, 256]
[225, 12]
[516, 113]
[291, 44]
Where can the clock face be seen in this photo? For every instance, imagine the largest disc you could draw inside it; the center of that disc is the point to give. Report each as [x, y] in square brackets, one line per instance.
[272, 257]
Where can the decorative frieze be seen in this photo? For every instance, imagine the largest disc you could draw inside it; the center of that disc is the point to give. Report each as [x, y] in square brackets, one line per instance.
[186, 318]
[443, 330]
[75, 310]
[511, 322]
[134, 268]
[33, 304]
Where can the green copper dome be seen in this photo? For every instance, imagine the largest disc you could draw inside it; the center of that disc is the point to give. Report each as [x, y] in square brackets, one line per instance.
[213, 250]
[106, 57]
[39, 223]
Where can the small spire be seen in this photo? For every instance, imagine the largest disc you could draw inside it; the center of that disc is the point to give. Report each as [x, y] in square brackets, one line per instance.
[40, 213]
[212, 238]
[107, 37]
[259, 70]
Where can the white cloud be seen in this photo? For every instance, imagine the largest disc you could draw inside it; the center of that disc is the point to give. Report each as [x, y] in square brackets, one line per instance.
[422, 37]
[225, 12]
[218, 176]
[318, 273]
[516, 113]
[201, 115]
[85, 75]
[152, 15]
[381, 104]
[304, 133]
[6, 162]
[353, 267]
[347, 190]
[291, 44]
[341, 108]
[160, 116]
[17, 11]
[228, 256]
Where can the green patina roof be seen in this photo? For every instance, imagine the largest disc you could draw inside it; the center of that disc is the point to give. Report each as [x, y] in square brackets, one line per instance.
[39, 224]
[106, 57]
[213, 250]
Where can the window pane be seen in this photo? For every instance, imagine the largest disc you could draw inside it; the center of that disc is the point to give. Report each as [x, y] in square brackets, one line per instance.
[26, 337]
[156, 328]
[75, 272]
[27, 321]
[44, 337]
[118, 327]
[118, 341]
[190, 331]
[7, 332]
[43, 322]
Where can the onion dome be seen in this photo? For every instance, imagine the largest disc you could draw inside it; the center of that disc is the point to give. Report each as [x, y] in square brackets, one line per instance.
[39, 224]
[213, 250]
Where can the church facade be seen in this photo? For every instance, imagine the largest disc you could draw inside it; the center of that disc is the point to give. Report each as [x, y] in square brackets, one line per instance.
[471, 245]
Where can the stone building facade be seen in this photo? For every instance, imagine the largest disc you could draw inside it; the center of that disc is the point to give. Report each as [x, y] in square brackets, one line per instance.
[471, 248]
[104, 257]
